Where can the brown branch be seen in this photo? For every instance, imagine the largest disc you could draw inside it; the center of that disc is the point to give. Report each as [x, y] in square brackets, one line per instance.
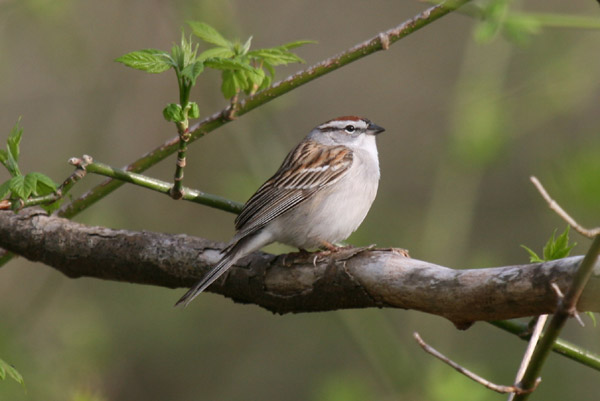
[552, 204]
[353, 278]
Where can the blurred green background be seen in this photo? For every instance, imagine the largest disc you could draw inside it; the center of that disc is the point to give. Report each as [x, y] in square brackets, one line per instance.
[467, 124]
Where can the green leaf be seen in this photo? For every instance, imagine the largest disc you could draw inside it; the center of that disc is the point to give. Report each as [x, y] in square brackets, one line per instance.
[275, 56]
[20, 187]
[216, 52]
[254, 80]
[3, 156]
[150, 60]
[265, 83]
[241, 78]
[173, 113]
[558, 248]
[4, 189]
[208, 34]
[555, 248]
[192, 71]
[231, 83]
[43, 184]
[9, 162]
[194, 110]
[298, 43]
[227, 64]
[13, 141]
[6, 369]
[246, 46]
[533, 257]
[188, 51]
[269, 68]
[30, 183]
[51, 208]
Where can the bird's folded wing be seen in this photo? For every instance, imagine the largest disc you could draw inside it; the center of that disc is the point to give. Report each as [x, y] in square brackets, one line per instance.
[307, 169]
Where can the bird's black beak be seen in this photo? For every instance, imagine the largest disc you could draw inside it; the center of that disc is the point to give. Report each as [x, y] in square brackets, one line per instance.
[374, 129]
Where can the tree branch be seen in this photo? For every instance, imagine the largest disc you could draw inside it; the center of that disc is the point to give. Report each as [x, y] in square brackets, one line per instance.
[381, 41]
[352, 278]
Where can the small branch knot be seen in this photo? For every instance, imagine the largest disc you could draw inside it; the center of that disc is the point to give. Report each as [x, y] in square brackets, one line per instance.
[385, 41]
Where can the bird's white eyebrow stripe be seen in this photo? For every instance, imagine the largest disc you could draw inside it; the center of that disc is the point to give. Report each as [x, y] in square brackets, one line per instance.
[341, 124]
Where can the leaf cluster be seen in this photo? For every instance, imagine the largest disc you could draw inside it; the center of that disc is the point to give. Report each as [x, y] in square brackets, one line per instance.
[21, 186]
[555, 248]
[11, 372]
[243, 70]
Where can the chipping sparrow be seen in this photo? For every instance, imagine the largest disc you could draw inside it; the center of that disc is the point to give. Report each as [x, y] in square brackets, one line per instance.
[320, 195]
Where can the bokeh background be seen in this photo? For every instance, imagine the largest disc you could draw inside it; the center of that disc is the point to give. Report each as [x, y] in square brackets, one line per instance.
[467, 124]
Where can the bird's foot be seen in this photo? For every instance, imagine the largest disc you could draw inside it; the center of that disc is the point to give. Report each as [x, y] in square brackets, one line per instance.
[302, 253]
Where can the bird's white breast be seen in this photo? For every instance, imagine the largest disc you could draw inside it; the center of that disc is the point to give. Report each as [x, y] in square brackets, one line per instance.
[334, 212]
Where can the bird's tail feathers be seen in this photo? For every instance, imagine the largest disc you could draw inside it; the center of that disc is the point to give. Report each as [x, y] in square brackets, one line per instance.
[216, 272]
[238, 248]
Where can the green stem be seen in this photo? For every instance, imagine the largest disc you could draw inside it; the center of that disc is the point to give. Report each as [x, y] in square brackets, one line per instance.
[177, 191]
[379, 42]
[184, 136]
[566, 308]
[560, 346]
[38, 200]
[189, 194]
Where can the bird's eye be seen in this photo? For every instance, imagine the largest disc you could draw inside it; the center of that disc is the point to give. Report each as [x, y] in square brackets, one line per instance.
[349, 129]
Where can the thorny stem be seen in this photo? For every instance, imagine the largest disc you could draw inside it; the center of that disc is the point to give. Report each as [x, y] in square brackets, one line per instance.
[566, 304]
[540, 322]
[566, 309]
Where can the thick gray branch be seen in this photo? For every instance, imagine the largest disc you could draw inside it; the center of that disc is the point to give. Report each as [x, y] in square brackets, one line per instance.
[354, 278]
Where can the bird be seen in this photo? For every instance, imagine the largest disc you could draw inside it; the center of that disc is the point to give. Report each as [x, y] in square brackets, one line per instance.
[320, 195]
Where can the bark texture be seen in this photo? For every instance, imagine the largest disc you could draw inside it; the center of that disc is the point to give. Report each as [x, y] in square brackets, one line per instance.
[351, 278]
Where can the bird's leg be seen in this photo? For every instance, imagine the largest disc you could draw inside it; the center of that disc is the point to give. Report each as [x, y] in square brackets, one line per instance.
[329, 246]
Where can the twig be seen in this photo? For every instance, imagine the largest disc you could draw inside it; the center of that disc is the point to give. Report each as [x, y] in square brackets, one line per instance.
[60, 192]
[484, 382]
[535, 336]
[154, 184]
[564, 215]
